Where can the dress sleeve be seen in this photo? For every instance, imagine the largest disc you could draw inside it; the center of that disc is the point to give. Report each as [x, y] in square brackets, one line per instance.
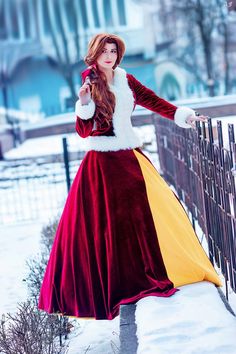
[148, 99]
[84, 118]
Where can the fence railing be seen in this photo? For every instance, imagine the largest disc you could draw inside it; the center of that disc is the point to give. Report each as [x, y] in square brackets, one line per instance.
[34, 188]
[202, 171]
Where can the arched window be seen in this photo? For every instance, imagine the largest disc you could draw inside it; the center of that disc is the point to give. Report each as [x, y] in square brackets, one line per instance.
[170, 88]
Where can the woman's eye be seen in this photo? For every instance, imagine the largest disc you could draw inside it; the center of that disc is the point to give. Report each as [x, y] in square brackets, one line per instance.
[112, 51]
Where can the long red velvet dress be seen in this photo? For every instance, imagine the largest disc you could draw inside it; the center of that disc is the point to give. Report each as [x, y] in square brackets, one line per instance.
[123, 235]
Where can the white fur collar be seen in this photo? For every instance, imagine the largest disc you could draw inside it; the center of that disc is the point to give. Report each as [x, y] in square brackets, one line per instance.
[125, 137]
[119, 77]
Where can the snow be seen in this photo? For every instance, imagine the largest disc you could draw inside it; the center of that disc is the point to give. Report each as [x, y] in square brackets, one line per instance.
[17, 244]
[96, 337]
[21, 242]
[224, 122]
[32, 191]
[20, 115]
[192, 321]
[45, 146]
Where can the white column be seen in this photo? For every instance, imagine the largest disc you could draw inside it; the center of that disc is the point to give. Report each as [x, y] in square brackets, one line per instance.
[149, 37]
[31, 6]
[40, 19]
[101, 14]
[8, 18]
[64, 17]
[81, 31]
[114, 11]
[90, 15]
[52, 17]
[20, 20]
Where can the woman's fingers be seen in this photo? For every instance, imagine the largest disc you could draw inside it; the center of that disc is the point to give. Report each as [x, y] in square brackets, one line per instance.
[87, 81]
[84, 89]
[201, 118]
[192, 119]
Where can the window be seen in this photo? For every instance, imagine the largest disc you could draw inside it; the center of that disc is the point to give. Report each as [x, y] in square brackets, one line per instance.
[84, 14]
[170, 88]
[3, 29]
[108, 13]
[14, 19]
[26, 17]
[58, 16]
[71, 15]
[46, 19]
[95, 13]
[121, 12]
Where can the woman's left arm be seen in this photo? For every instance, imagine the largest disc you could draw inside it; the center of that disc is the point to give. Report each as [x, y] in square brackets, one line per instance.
[182, 116]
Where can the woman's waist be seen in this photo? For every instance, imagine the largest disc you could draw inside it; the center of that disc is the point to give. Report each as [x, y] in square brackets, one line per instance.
[113, 142]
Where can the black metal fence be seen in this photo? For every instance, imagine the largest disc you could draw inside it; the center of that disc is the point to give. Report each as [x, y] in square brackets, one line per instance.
[34, 188]
[202, 170]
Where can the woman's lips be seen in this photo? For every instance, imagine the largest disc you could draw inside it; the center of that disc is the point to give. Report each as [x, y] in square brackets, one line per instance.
[108, 62]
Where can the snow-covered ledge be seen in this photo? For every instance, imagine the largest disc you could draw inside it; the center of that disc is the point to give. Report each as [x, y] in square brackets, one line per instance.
[192, 320]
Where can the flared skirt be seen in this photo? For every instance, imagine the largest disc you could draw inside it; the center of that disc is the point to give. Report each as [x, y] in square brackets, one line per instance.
[123, 235]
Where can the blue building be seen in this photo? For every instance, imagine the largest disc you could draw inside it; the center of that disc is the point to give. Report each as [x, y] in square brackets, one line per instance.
[38, 37]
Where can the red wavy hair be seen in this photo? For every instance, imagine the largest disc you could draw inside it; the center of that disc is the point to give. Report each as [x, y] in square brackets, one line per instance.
[101, 94]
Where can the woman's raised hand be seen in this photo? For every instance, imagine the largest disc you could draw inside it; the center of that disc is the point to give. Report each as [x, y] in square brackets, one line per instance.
[84, 92]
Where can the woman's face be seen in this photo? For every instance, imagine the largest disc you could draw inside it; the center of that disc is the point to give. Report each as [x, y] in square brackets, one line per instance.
[107, 58]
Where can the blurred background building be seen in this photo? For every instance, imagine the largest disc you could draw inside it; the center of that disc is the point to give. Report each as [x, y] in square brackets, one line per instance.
[43, 42]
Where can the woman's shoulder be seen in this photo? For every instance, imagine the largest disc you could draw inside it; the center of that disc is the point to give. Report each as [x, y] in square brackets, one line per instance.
[122, 72]
[133, 82]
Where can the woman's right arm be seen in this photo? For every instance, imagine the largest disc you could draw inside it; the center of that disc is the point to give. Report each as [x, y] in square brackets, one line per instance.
[84, 110]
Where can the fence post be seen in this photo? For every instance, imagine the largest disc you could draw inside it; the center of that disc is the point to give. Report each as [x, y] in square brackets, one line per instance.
[66, 162]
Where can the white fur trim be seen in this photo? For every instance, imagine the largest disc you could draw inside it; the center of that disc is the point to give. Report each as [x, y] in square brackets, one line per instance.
[85, 111]
[181, 115]
[125, 136]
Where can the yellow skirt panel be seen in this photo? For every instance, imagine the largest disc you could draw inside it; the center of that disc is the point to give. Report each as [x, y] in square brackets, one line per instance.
[185, 260]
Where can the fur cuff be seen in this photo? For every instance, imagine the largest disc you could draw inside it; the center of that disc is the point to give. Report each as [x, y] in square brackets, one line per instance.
[181, 114]
[85, 111]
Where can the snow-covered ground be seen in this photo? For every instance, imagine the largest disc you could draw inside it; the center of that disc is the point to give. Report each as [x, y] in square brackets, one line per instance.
[45, 146]
[193, 321]
[17, 244]
[96, 337]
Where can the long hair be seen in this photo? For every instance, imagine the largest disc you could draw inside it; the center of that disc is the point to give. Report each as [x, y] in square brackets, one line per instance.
[102, 96]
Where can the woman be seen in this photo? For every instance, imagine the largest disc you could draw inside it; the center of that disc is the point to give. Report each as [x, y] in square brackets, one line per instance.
[123, 234]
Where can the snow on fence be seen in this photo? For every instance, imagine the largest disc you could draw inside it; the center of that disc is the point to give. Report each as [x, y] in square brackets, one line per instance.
[202, 171]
